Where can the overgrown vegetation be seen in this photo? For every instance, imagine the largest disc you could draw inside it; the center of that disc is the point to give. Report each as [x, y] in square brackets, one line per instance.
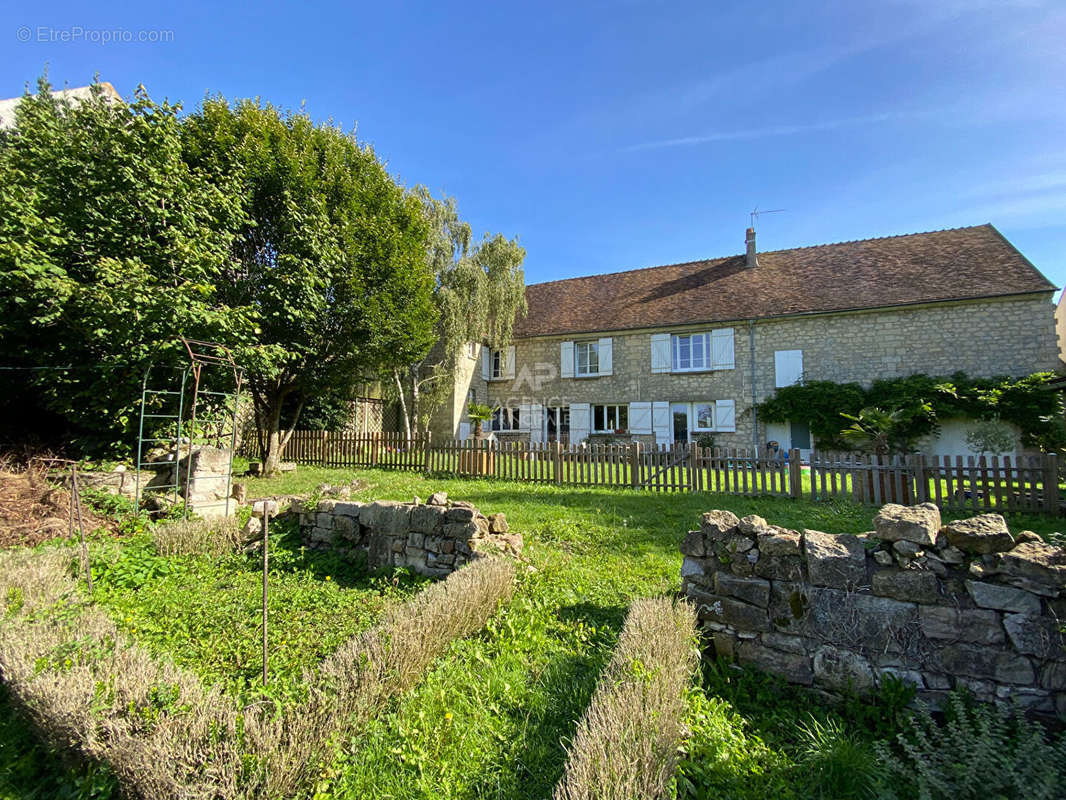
[977, 752]
[921, 401]
[491, 714]
[626, 743]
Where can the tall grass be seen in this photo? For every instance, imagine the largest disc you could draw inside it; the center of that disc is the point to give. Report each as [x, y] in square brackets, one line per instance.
[195, 537]
[84, 686]
[626, 743]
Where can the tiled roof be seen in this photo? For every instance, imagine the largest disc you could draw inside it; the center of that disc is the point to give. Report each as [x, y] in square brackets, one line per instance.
[957, 264]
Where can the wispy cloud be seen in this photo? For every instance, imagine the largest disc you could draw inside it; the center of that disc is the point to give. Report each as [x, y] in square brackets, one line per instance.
[775, 130]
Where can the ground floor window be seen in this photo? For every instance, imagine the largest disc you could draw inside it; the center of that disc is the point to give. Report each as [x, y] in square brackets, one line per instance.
[505, 419]
[610, 419]
[558, 423]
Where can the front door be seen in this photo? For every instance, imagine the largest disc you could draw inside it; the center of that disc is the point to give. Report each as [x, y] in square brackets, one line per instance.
[679, 412]
[558, 423]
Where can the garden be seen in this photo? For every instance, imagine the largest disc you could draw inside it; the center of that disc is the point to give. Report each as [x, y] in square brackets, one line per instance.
[507, 703]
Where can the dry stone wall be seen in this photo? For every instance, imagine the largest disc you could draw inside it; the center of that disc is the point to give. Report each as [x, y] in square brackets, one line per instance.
[434, 538]
[965, 604]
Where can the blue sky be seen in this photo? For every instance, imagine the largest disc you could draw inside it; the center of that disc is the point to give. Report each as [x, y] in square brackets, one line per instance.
[615, 135]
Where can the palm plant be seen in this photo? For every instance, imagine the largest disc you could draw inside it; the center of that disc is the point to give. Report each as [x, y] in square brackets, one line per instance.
[479, 414]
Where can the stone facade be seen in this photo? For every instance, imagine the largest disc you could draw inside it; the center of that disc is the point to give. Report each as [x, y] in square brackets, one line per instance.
[967, 605]
[434, 539]
[1006, 336]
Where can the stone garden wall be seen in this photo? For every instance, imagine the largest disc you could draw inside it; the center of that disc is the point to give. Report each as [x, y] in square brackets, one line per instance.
[966, 604]
[433, 538]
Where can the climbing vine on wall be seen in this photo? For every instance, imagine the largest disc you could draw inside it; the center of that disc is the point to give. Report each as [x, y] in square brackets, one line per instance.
[1025, 402]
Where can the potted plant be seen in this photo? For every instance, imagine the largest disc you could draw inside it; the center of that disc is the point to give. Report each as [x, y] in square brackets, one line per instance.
[478, 461]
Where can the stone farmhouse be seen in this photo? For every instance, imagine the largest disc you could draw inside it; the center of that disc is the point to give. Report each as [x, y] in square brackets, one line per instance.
[675, 352]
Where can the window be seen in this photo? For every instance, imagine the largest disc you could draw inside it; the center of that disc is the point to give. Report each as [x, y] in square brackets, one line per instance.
[505, 419]
[496, 364]
[610, 419]
[692, 351]
[587, 358]
[703, 418]
[471, 349]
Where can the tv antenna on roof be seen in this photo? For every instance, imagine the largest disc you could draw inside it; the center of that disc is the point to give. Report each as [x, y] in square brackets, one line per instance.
[755, 212]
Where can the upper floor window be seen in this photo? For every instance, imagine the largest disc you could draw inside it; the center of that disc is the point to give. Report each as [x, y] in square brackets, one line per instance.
[610, 419]
[471, 349]
[496, 363]
[692, 351]
[505, 419]
[587, 358]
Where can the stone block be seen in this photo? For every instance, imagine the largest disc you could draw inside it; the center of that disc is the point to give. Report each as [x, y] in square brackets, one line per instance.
[324, 519]
[1035, 636]
[908, 585]
[1002, 598]
[792, 667]
[985, 533]
[724, 645]
[1053, 675]
[838, 561]
[415, 539]
[976, 626]
[427, 519]
[779, 542]
[459, 530]
[325, 506]
[346, 526]
[445, 545]
[348, 509]
[438, 499]
[785, 642]
[1037, 562]
[909, 676]
[728, 611]
[692, 545]
[779, 568]
[386, 516]
[460, 514]
[877, 624]
[498, 523]
[719, 524]
[842, 670]
[751, 525]
[751, 590]
[918, 524]
[691, 567]
[984, 663]
[322, 535]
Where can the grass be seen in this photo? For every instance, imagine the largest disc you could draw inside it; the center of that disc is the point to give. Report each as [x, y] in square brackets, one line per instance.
[491, 718]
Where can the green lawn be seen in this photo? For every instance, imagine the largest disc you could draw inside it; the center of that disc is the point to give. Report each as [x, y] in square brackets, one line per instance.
[492, 717]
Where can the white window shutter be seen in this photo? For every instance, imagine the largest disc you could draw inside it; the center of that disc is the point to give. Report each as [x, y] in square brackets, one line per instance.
[566, 359]
[640, 418]
[660, 352]
[725, 415]
[536, 423]
[606, 353]
[486, 363]
[523, 416]
[509, 366]
[662, 423]
[788, 367]
[580, 422]
[722, 349]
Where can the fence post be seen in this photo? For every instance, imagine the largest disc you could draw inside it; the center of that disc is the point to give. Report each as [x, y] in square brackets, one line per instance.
[795, 474]
[634, 464]
[375, 446]
[693, 467]
[427, 441]
[557, 461]
[1051, 484]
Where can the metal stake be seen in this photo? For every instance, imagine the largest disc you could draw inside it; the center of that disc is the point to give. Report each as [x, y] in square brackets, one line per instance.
[75, 497]
[266, 558]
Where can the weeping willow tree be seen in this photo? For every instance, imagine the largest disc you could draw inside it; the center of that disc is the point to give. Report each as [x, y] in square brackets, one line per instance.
[479, 292]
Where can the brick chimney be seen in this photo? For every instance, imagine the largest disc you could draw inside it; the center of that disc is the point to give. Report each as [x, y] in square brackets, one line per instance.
[751, 259]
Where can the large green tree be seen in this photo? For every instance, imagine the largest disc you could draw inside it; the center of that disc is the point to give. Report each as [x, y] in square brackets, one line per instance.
[479, 290]
[331, 253]
[110, 246]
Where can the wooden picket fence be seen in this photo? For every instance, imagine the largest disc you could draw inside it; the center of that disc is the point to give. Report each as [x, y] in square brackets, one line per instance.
[955, 482]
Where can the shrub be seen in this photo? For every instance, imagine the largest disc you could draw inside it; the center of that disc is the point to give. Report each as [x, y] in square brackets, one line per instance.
[626, 744]
[834, 764]
[193, 537]
[979, 752]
